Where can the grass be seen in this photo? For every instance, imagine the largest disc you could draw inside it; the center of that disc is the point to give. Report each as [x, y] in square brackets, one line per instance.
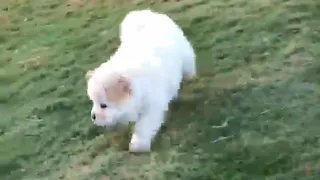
[259, 76]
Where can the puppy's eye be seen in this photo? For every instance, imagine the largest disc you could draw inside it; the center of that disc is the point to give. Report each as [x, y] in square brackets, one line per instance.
[103, 106]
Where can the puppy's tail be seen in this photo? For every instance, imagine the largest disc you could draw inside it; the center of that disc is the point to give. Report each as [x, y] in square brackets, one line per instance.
[189, 63]
[134, 23]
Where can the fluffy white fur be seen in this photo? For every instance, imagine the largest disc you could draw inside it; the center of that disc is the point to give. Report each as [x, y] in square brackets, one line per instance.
[153, 58]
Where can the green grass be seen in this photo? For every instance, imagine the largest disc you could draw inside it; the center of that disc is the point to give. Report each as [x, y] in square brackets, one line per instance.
[259, 71]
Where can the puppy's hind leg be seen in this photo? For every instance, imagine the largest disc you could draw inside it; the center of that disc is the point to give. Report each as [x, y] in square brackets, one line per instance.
[145, 130]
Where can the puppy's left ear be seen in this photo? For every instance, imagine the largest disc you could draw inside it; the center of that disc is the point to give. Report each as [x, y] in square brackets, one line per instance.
[89, 74]
[124, 85]
[119, 88]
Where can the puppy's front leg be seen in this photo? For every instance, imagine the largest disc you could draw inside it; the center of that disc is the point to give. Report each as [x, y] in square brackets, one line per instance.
[145, 130]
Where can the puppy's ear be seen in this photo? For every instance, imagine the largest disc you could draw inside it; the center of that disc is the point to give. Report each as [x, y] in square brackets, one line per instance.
[89, 74]
[119, 90]
[124, 85]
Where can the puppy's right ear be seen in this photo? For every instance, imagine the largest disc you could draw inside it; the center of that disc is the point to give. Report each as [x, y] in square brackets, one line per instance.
[89, 74]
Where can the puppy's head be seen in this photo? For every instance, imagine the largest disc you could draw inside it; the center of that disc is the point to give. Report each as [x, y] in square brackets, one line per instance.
[109, 94]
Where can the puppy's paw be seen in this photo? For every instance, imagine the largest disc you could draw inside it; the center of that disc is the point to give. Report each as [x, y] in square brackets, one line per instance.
[139, 146]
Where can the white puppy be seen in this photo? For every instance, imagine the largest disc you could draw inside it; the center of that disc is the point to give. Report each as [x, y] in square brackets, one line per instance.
[142, 77]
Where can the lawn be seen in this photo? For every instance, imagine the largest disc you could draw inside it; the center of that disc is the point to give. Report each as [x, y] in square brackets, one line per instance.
[253, 112]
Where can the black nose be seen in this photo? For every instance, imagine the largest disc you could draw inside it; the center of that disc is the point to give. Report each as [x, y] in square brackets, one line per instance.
[93, 116]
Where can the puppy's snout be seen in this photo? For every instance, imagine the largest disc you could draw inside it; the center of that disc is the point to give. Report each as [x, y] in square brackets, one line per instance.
[93, 116]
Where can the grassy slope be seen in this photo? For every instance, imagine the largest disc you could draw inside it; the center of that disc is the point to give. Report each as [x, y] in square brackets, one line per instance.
[258, 61]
